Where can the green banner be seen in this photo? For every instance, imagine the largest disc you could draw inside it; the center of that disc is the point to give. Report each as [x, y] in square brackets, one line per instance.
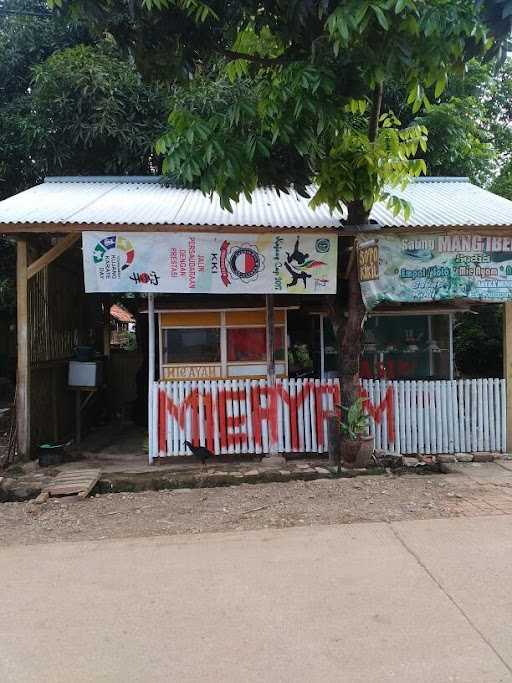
[435, 268]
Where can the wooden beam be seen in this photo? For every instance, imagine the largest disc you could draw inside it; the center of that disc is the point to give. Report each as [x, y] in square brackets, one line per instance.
[507, 366]
[62, 245]
[26, 229]
[271, 361]
[23, 374]
[153, 438]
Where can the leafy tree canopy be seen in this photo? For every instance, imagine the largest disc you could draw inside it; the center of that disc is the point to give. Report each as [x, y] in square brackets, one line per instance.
[303, 85]
[69, 102]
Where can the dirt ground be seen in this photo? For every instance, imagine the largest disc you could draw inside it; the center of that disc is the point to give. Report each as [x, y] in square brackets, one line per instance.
[297, 503]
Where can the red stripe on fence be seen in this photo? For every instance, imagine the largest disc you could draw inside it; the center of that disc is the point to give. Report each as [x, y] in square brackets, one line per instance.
[208, 406]
[256, 416]
[222, 419]
[194, 406]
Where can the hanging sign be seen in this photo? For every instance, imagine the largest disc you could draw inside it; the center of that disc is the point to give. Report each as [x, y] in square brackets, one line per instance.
[210, 263]
[435, 268]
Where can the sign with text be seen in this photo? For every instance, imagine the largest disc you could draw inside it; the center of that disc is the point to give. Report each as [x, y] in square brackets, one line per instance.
[368, 261]
[436, 268]
[210, 263]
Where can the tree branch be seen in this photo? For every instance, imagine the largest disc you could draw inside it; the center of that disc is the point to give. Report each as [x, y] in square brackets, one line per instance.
[266, 61]
[373, 123]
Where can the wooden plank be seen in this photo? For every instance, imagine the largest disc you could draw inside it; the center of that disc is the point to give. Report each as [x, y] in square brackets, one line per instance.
[49, 257]
[74, 482]
[23, 375]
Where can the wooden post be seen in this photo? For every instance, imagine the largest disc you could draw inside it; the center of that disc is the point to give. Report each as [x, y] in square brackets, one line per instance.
[109, 399]
[23, 375]
[507, 366]
[106, 325]
[271, 362]
[152, 438]
[322, 346]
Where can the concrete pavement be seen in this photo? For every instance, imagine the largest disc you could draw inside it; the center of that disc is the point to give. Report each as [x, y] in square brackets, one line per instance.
[412, 601]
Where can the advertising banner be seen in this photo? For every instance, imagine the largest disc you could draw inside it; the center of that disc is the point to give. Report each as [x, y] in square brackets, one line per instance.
[435, 268]
[209, 263]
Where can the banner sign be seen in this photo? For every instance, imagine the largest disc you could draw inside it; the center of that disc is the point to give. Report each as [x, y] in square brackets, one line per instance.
[210, 263]
[435, 268]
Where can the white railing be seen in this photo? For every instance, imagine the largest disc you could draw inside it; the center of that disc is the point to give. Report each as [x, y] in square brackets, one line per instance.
[450, 416]
[242, 416]
[232, 417]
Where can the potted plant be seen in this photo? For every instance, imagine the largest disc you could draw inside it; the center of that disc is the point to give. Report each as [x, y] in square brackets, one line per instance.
[356, 446]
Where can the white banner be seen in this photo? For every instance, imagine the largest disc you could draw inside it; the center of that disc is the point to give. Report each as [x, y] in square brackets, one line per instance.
[210, 263]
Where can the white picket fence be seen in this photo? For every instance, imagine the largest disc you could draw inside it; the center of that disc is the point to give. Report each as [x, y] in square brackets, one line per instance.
[406, 417]
[242, 416]
[451, 416]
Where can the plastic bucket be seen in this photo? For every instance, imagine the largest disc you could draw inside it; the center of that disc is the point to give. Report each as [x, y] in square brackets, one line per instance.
[50, 454]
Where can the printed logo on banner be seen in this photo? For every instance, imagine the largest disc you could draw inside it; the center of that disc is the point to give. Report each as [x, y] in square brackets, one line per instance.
[242, 262]
[301, 266]
[322, 245]
[112, 255]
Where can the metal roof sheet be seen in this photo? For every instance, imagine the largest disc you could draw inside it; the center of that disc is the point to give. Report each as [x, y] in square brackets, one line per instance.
[436, 203]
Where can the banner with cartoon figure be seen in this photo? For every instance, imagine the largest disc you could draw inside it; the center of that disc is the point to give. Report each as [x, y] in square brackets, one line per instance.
[210, 263]
[418, 269]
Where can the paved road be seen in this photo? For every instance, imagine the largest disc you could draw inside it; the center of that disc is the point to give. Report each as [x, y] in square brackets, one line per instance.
[412, 602]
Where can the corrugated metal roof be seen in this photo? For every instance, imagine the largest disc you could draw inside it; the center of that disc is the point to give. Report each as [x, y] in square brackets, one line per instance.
[121, 314]
[436, 203]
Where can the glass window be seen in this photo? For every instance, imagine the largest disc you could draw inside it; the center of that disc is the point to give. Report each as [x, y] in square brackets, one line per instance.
[406, 347]
[194, 345]
[399, 347]
[249, 344]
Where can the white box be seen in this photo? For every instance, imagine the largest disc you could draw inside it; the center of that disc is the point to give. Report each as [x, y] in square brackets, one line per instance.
[85, 374]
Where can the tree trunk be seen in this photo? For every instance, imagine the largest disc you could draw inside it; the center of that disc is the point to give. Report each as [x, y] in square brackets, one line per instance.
[346, 310]
[351, 338]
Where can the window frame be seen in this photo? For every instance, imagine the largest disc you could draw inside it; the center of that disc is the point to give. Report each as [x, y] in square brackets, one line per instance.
[223, 325]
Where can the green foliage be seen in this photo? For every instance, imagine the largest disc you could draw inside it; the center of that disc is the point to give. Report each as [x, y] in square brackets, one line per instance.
[502, 184]
[24, 42]
[304, 77]
[358, 169]
[81, 109]
[355, 423]
[89, 96]
[459, 144]
[310, 83]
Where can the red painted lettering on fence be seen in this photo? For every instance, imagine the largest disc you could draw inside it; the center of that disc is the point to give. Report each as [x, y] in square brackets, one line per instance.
[240, 412]
[385, 407]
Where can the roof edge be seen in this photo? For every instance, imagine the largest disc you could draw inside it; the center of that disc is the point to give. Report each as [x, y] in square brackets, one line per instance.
[153, 180]
[135, 179]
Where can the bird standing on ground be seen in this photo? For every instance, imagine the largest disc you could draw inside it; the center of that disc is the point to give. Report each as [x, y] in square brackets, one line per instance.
[200, 452]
